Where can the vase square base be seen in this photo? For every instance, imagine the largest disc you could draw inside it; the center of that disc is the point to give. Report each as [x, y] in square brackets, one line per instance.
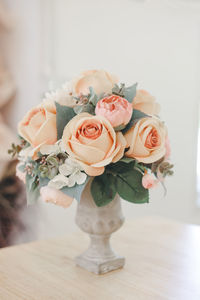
[100, 267]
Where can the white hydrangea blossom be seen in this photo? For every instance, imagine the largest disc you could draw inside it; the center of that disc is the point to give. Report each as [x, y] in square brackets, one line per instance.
[25, 153]
[58, 182]
[70, 173]
[63, 96]
[52, 149]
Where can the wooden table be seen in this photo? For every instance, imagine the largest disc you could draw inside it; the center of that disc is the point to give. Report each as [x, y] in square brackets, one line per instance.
[162, 262]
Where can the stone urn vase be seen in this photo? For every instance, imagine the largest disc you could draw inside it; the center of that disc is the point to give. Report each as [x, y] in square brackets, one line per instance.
[99, 223]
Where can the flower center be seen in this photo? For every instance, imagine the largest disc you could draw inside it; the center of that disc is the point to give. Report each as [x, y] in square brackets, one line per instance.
[90, 130]
[153, 139]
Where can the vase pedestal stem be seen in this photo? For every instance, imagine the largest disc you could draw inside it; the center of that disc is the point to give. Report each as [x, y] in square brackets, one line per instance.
[99, 223]
[99, 258]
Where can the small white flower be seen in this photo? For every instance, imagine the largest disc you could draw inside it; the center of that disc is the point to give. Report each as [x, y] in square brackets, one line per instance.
[52, 149]
[58, 182]
[25, 153]
[69, 174]
[73, 169]
[63, 96]
[49, 149]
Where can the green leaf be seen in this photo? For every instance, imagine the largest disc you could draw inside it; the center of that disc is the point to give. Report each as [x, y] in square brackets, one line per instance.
[129, 187]
[126, 160]
[78, 109]
[136, 115]
[63, 115]
[21, 167]
[120, 167]
[93, 98]
[130, 92]
[43, 182]
[118, 89]
[89, 108]
[75, 191]
[119, 128]
[32, 189]
[103, 189]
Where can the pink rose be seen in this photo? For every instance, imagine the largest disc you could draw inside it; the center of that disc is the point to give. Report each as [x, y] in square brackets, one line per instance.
[149, 181]
[146, 140]
[115, 109]
[55, 196]
[92, 141]
[38, 127]
[101, 81]
[146, 103]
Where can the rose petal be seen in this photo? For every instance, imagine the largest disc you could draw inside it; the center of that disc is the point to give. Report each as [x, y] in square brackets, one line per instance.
[55, 196]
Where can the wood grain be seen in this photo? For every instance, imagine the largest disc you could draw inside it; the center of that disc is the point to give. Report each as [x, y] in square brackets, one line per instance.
[162, 262]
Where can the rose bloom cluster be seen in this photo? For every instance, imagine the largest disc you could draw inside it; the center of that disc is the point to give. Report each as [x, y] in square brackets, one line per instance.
[97, 140]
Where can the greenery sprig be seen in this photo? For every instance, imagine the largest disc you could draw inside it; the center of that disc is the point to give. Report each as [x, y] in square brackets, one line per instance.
[87, 103]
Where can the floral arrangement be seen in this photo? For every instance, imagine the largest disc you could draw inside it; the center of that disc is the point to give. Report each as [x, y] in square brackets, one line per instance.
[93, 128]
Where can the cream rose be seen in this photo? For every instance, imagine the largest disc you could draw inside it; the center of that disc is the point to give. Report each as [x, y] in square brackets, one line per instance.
[146, 140]
[146, 103]
[92, 141]
[101, 81]
[38, 127]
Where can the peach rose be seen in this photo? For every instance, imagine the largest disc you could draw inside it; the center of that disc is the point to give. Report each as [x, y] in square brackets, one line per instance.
[101, 81]
[146, 140]
[146, 103]
[115, 109]
[38, 127]
[92, 141]
[55, 196]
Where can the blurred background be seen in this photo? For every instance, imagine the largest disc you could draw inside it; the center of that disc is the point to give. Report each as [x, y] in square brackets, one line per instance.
[44, 43]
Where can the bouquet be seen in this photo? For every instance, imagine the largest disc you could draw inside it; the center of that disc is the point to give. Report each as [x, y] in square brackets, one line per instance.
[93, 128]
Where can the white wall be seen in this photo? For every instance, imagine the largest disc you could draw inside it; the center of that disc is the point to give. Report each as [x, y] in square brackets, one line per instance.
[154, 43]
[22, 49]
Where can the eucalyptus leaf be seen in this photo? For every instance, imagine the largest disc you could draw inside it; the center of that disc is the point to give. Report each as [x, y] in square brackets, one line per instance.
[32, 189]
[136, 115]
[43, 182]
[89, 108]
[21, 167]
[63, 115]
[118, 89]
[103, 189]
[93, 98]
[130, 92]
[78, 109]
[75, 191]
[119, 128]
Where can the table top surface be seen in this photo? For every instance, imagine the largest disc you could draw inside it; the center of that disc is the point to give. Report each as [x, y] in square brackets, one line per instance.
[162, 262]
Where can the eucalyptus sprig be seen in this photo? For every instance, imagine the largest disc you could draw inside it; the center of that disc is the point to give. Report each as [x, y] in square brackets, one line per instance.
[49, 165]
[165, 169]
[128, 93]
[87, 103]
[14, 150]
